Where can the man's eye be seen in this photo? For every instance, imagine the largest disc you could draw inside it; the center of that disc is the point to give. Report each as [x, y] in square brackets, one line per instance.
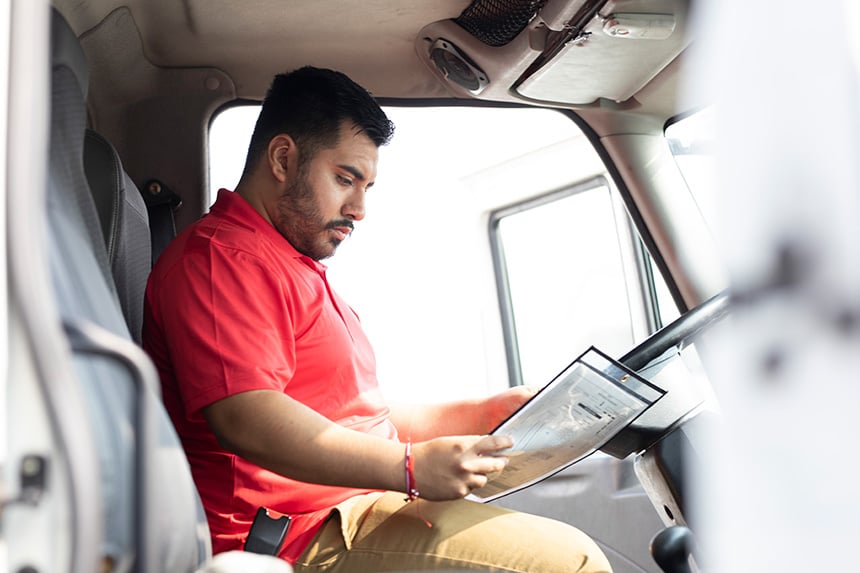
[345, 181]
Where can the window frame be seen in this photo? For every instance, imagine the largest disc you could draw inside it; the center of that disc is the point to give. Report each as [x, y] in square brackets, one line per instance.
[639, 277]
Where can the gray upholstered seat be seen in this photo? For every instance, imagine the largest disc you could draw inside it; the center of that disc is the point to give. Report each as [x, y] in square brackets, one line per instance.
[153, 520]
[170, 520]
[124, 226]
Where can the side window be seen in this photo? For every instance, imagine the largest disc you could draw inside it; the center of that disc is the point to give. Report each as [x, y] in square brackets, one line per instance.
[229, 136]
[567, 268]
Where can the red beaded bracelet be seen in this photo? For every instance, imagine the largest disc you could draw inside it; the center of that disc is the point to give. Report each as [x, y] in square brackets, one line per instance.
[411, 492]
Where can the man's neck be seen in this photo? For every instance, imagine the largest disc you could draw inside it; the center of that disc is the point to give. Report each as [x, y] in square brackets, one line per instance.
[249, 191]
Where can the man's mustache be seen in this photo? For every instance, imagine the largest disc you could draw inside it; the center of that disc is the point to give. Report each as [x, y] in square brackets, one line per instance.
[341, 224]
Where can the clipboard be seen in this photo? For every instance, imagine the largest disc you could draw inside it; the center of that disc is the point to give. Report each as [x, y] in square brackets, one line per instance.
[581, 409]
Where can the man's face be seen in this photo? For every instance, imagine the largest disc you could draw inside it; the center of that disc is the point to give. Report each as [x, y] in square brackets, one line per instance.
[318, 209]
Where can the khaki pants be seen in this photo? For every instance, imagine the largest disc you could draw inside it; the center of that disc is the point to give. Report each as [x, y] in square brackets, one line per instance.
[381, 532]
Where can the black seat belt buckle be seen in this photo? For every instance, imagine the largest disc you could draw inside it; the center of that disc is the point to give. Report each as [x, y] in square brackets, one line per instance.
[267, 534]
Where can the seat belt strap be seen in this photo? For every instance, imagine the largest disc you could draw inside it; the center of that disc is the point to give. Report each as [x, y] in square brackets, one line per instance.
[161, 203]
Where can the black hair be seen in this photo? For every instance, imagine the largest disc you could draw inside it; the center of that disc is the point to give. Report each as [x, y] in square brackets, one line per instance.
[310, 105]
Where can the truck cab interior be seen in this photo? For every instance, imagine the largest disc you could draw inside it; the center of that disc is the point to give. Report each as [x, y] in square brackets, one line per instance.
[550, 167]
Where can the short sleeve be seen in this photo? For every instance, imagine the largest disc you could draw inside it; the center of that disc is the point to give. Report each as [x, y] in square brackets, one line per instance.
[226, 324]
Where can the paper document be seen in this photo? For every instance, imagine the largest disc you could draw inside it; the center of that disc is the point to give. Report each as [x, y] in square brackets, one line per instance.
[571, 417]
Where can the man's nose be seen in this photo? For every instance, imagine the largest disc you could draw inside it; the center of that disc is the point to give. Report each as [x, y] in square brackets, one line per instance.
[354, 207]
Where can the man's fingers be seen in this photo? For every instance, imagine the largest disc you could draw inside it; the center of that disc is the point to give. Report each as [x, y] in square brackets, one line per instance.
[490, 457]
[484, 476]
[489, 445]
[486, 465]
[452, 466]
[479, 481]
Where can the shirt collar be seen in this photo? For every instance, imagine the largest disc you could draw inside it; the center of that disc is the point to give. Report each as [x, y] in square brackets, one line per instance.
[231, 205]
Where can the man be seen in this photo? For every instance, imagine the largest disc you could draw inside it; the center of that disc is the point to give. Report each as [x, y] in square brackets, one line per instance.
[271, 382]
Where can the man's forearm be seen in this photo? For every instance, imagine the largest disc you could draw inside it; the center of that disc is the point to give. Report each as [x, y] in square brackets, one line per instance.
[282, 435]
[279, 434]
[423, 422]
[464, 417]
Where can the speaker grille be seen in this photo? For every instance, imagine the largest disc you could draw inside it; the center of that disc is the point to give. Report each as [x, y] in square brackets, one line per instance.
[497, 22]
[457, 67]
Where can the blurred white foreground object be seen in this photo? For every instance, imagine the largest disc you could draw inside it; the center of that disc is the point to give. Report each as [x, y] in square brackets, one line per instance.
[779, 493]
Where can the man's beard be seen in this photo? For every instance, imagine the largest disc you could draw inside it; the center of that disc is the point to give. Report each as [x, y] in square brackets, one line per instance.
[301, 222]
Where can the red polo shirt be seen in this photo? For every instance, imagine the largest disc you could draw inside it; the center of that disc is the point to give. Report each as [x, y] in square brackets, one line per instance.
[231, 306]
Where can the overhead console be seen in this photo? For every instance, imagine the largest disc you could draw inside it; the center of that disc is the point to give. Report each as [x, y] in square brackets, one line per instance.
[559, 52]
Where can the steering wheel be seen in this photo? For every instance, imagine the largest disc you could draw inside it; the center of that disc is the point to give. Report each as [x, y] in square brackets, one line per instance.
[679, 333]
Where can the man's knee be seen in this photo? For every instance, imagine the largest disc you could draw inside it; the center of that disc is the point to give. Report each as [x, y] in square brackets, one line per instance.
[470, 536]
[517, 541]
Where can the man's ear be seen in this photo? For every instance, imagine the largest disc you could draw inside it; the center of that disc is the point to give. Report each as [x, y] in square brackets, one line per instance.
[282, 157]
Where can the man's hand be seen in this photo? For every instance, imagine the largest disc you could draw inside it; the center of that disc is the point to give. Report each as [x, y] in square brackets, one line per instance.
[496, 409]
[451, 467]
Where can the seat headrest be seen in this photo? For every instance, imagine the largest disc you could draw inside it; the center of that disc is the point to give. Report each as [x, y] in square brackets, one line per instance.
[66, 50]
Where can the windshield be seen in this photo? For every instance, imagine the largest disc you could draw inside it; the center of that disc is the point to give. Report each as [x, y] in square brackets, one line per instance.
[690, 140]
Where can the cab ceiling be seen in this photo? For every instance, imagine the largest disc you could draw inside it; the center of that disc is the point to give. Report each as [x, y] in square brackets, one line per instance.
[382, 44]
[252, 41]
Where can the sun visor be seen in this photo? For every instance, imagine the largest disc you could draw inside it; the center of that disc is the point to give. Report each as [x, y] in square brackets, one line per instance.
[611, 57]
